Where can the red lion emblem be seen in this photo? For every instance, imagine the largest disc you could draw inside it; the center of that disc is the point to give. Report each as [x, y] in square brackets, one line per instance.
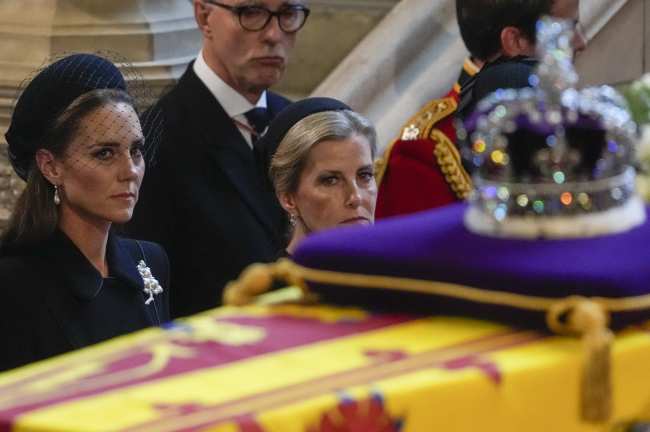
[368, 415]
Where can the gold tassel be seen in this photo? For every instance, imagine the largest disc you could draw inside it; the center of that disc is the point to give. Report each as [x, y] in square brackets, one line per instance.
[596, 386]
[253, 281]
[589, 319]
[257, 279]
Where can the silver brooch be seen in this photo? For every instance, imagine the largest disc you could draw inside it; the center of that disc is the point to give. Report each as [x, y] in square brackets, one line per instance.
[151, 285]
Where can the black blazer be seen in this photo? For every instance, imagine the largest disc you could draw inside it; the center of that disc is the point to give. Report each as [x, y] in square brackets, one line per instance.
[204, 197]
[52, 300]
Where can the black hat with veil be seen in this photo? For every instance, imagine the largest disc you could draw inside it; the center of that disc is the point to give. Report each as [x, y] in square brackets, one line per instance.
[54, 88]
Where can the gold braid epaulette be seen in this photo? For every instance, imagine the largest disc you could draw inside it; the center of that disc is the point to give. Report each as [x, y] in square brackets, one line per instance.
[381, 163]
[432, 114]
[444, 149]
[417, 127]
[450, 164]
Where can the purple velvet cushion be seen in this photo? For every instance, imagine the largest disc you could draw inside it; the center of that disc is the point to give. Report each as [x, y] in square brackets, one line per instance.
[435, 246]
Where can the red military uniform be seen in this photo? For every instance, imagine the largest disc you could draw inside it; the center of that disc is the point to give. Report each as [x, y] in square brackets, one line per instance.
[422, 169]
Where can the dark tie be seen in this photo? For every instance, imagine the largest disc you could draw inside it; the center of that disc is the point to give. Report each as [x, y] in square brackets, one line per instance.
[259, 119]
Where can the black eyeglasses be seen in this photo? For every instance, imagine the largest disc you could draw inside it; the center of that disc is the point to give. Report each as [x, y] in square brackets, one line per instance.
[291, 18]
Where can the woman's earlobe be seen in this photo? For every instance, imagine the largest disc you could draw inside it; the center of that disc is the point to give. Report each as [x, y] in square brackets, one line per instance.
[287, 202]
[47, 165]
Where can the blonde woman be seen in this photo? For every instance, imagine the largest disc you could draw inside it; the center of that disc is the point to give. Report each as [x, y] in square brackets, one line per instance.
[322, 170]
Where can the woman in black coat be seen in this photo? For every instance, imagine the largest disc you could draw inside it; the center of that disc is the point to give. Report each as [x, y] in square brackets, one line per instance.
[66, 281]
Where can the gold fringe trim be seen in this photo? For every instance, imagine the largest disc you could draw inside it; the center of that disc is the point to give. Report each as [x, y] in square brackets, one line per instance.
[450, 165]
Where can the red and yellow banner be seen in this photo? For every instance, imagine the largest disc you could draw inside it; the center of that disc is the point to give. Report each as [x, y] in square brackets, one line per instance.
[321, 369]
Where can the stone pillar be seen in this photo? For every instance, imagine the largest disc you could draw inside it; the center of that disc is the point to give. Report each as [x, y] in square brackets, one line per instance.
[334, 28]
[158, 37]
[618, 52]
[413, 55]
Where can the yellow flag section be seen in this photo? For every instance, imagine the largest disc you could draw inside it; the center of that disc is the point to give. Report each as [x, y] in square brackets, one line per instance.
[319, 369]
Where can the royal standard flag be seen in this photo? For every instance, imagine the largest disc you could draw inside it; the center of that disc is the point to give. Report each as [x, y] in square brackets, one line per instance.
[323, 369]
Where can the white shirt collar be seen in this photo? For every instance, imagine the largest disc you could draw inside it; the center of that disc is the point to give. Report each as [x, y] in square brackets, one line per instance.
[232, 102]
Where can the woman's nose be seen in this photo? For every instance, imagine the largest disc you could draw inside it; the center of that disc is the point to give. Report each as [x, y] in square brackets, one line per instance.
[129, 167]
[354, 197]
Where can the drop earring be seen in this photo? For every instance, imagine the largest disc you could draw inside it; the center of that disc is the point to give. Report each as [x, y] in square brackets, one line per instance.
[293, 219]
[57, 198]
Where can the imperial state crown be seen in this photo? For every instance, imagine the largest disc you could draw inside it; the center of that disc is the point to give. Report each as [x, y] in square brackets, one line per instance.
[552, 161]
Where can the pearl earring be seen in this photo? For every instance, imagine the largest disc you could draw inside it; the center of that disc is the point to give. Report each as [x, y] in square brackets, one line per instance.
[57, 198]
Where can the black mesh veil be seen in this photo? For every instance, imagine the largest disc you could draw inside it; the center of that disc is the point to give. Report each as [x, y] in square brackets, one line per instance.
[84, 99]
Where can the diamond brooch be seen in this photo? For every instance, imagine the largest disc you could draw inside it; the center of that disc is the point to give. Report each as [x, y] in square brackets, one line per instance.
[151, 285]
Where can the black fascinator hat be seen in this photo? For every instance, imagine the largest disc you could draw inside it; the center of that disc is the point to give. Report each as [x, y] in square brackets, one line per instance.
[288, 117]
[297, 111]
[48, 94]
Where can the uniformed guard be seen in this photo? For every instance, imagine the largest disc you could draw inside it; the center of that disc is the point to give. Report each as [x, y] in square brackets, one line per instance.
[424, 168]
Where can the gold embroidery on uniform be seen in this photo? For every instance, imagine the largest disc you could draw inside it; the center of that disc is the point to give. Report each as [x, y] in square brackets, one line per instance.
[427, 117]
[470, 67]
[411, 132]
[450, 165]
[441, 109]
[432, 114]
[418, 127]
[381, 163]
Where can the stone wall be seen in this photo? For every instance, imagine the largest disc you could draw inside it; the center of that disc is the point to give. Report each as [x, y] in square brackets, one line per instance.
[412, 56]
[334, 28]
[620, 51]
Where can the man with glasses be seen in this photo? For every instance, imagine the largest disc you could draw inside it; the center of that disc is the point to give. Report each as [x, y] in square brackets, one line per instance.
[205, 197]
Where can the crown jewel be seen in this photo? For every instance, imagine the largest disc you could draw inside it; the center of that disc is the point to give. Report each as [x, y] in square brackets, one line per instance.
[551, 160]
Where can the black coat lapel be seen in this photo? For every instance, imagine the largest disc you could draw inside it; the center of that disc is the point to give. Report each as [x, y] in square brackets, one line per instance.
[77, 281]
[224, 144]
[123, 264]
